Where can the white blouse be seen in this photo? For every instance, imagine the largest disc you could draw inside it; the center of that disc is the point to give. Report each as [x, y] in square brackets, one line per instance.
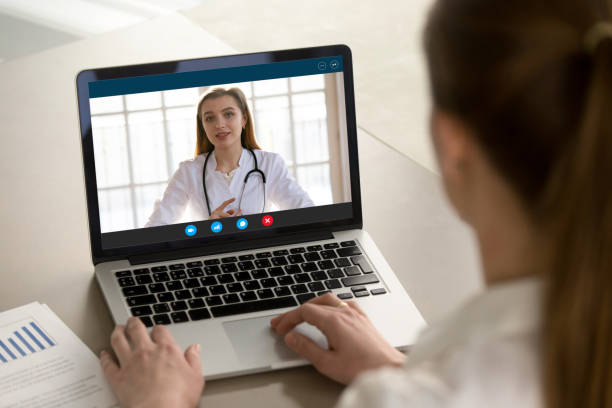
[484, 355]
[185, 188]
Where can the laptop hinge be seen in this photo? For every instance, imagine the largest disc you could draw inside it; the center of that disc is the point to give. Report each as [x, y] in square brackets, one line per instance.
[285, 239]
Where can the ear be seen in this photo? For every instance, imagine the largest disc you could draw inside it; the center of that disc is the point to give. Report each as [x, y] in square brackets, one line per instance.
[452, 143]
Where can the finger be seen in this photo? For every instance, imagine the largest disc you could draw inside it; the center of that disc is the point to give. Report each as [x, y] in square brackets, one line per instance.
[192, 355]
[309, 312]
[353, 305]
[329, 299]
[137, 333]
[225, 203]
[230, 212]
[309, 350]
[161, 335]
[287, 321]
[238, 213]
[274, 321]
[110, 368]
[326, 299]
[120, 344]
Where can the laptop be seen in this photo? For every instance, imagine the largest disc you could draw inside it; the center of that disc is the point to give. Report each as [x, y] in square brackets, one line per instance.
[218, 282]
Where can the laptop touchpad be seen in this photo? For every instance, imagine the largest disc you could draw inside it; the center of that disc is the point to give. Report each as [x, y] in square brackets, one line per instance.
[256, 343]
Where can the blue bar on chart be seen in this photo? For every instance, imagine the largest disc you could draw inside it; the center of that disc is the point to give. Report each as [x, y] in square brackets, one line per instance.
[16, 347]
[7, 350]
[42, 334]
[34, 339]
[22, 340]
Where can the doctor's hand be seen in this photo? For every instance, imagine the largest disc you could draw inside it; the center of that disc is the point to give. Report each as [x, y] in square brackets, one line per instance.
[354, 343]
[220, 212]
[153, 371]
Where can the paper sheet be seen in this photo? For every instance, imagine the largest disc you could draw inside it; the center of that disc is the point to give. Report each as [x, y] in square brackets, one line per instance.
[44, 364]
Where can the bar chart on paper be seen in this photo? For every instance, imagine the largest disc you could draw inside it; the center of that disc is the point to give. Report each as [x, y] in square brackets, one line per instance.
[22, 339]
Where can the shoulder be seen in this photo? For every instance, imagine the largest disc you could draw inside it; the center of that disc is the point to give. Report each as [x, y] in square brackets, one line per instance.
[194, 163]
[487, 352]
[190, 169]
[502, 373]
[265, 155]
[498, 361]
[266, 158]
[499, 371]
[486, 367]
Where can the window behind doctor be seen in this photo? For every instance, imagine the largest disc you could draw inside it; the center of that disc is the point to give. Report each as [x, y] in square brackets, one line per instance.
[521, 75]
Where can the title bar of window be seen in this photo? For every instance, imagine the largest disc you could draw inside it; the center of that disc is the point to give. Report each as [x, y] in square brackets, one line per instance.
[178, 80]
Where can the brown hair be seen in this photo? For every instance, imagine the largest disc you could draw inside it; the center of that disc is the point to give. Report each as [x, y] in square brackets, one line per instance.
[540, 104]
[247, 137]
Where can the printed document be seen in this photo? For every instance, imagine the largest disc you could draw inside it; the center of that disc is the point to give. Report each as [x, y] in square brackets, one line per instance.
[44, 364]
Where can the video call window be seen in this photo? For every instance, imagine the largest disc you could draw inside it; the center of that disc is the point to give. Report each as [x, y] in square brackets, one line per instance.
[140, 140]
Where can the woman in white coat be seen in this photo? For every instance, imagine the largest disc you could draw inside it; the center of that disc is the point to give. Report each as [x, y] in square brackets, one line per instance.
[239, 177]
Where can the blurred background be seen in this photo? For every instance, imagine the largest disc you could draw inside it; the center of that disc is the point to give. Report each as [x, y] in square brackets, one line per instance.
[45, 43]
[390, 81]
[140, 140]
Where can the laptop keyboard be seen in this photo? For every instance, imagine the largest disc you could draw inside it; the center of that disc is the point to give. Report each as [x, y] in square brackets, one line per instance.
[203, 289]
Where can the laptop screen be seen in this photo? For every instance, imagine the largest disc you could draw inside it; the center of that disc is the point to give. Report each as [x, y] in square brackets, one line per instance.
[201, 154]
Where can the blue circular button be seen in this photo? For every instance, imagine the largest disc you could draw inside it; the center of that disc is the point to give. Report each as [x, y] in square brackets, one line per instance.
[190, 230]
[242, 223]
[216, 227]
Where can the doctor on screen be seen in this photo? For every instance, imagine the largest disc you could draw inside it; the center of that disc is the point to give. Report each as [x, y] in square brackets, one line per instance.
[230, 175]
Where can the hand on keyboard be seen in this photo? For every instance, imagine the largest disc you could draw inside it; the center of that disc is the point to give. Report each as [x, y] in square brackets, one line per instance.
[152, 370]
[354, 343]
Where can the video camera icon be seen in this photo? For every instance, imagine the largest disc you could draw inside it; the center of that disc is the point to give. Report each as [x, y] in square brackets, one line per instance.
[216, 227]
[190, 230]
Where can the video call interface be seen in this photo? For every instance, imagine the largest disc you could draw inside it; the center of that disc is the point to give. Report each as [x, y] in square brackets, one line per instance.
[149, 152]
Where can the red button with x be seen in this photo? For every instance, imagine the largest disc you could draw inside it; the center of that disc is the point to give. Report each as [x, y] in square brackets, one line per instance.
[267, 220]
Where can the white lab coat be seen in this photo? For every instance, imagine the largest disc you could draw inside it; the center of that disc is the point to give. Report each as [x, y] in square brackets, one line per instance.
[485, 355]
[185, 188]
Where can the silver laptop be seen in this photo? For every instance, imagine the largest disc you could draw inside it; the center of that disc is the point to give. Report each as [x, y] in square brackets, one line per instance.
[218, 281]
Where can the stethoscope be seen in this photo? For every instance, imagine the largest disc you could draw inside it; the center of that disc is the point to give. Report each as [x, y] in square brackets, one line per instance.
[246, 178]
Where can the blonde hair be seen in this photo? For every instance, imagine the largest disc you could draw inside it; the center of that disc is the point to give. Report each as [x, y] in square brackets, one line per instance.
[247, 137]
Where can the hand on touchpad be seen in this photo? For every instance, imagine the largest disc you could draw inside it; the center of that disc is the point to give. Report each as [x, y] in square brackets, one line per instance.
[312, 333]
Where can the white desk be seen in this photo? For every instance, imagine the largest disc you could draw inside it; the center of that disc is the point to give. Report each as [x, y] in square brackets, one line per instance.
[45, 251]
